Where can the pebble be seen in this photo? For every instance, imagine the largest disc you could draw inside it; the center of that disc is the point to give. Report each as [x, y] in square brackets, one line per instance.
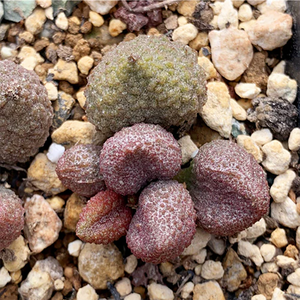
[217, 245]
[216, 7]
[256, 230]
[228, 16]
[5, 278]
[201, 40]
[208, 67]
[271, 30]
[245, 13]
[212, 270]
[131, 264]
[42, 225]
[277, 158]
[267, 283]
[35, 22]
[62, 108]
[185, 33]
[49, 13]
[133, 296]
[216, 112]
[269, 267]
[85, 64]
[238, 112]
[209, 290]
[72, 211]
[61, 21]
[232, 51]
[116, 27]
[278, 238]
[123, 286]
[188, 148]
[56, 203]
[87, 292]
[81, 98]
[282, 185]
[16, 10]
[102, 7]
[98, 264]
[200, 257]
[250, 146]
[282, 86]
[182, 21]
[159, 292]
[96, 19]
[74, 248]
[73, 131]
[234, 271]
[247, 90]
[187, 8]
[42, 175]
[51, 90]
[294, 278]
[278, 294]
[262, 136]
[250, 250]
[21, 253]
[200, 240]
[285, 262]
[58, 285]
[292, 289]
[64, 70]
[294, 140]
[187, 289]
[237, 237]
[55, 152]
[276, 5]
[44, 3]
[285, 213]
[259, 297]
[16, 277]
[7, 52]
[29, 57]
[268, 252]
[171, 22]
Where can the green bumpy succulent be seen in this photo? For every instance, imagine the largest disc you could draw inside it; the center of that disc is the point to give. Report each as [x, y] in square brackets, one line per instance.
[149, 79]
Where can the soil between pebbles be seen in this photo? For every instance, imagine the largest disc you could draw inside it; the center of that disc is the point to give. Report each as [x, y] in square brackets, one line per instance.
[62, 41]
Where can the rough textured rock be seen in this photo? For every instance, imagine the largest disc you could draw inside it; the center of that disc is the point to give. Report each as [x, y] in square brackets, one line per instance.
[173, 93]
[154, 238]
[232, 51]
[25, 113]
[73, 208]
[208, 290]
[137, 155]
[99, 264]
[104, 219]
[79, 170]
[11, 217]
[266, 284]
[42, 225]
[279, 115]
[230, 191]
[15, 10]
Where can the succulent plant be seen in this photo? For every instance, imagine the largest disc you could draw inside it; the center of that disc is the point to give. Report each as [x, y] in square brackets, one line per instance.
[164, 223]
[11, 217]
[229, 188]
[79, 170]
[104, 219]
[139, 154]
[148, 79]
[25, 113]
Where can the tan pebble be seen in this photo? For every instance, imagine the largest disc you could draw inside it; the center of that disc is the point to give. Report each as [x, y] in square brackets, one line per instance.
[96, 19]
[291, 251]
[116, 27]
[85, 63]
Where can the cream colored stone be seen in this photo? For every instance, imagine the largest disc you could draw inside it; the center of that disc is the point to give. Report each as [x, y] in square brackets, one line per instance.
[35, 22]
[160, 292]
[29, 63]
[294, 278]
[282, 185]
[185, 33]
[294, 139]
[248, 25]
[216, 7]
[268, 252]
[200, 257]
[81, 98]
[27, 51]
[214, 22]
[277, 158]
[96, 19]
[131, 264]
[255, 2]
[186, 8]
[269, 267]
[87, 293]
[49, 13]
[102, 7]
[208, 67]
[259, 297]
[285, 262]
[262, 136]
[187, 289]
[209, 290]
[85, 64]
[188, 148]
[252, 251]
[212, 270]
[56, 203]
[228, 16]
[245, 13]
[201, 40]
[276, 5]
[51, 90]
[4, 277]
[182, 21]
[64, 70]
[115, 27]
[74, 248]
[238, 112]
[278, 294]
[216, 112]
[123, 286]
[133, 296]
[237, 3]
[58, 284]
[232, 51]
[61, 21]
[282, 86]
[257, 229]
[247, 90]
[250, 146]
[44, 3]
[278, 238]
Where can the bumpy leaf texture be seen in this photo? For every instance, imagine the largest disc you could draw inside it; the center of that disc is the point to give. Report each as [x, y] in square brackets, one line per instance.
[11, 217]
[79, 170]
[139, 154]
[104, 219]
[229, 188]
[164, 223]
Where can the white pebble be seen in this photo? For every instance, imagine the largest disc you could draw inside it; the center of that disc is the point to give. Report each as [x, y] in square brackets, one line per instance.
[49, 13]
[4, 277]
[294, 278]
[278, 294]
[259, 297]
[268, 252]
[262, 136]
[185, 33]
[55, 152]
[252, 251]
[275, 5]
[58, 284]
[269, 267]
[257, 229]
[238, 112]
[187, 289]
[51, 90]
[294, 140]
[228, 15]
[247, 90]
[282, 185]
[61, 21]
[212, 270]
[245, 13]
[285, 262]
[216, 7]
[182, 21]
[87, 292]
[123, 286]
[74, 248]
[159, 292]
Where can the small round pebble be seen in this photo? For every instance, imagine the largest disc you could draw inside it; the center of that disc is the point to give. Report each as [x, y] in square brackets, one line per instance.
[294, 140]
[131, 263]
[87, 292]
[212, 270]
[159, 292]
[278, 238]
[267, 251]
[85, 64]
[96, 19]
[123, 286]
[74, 248]
[262, 136]
[61, 21]
[133, 296]
[185, 33]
